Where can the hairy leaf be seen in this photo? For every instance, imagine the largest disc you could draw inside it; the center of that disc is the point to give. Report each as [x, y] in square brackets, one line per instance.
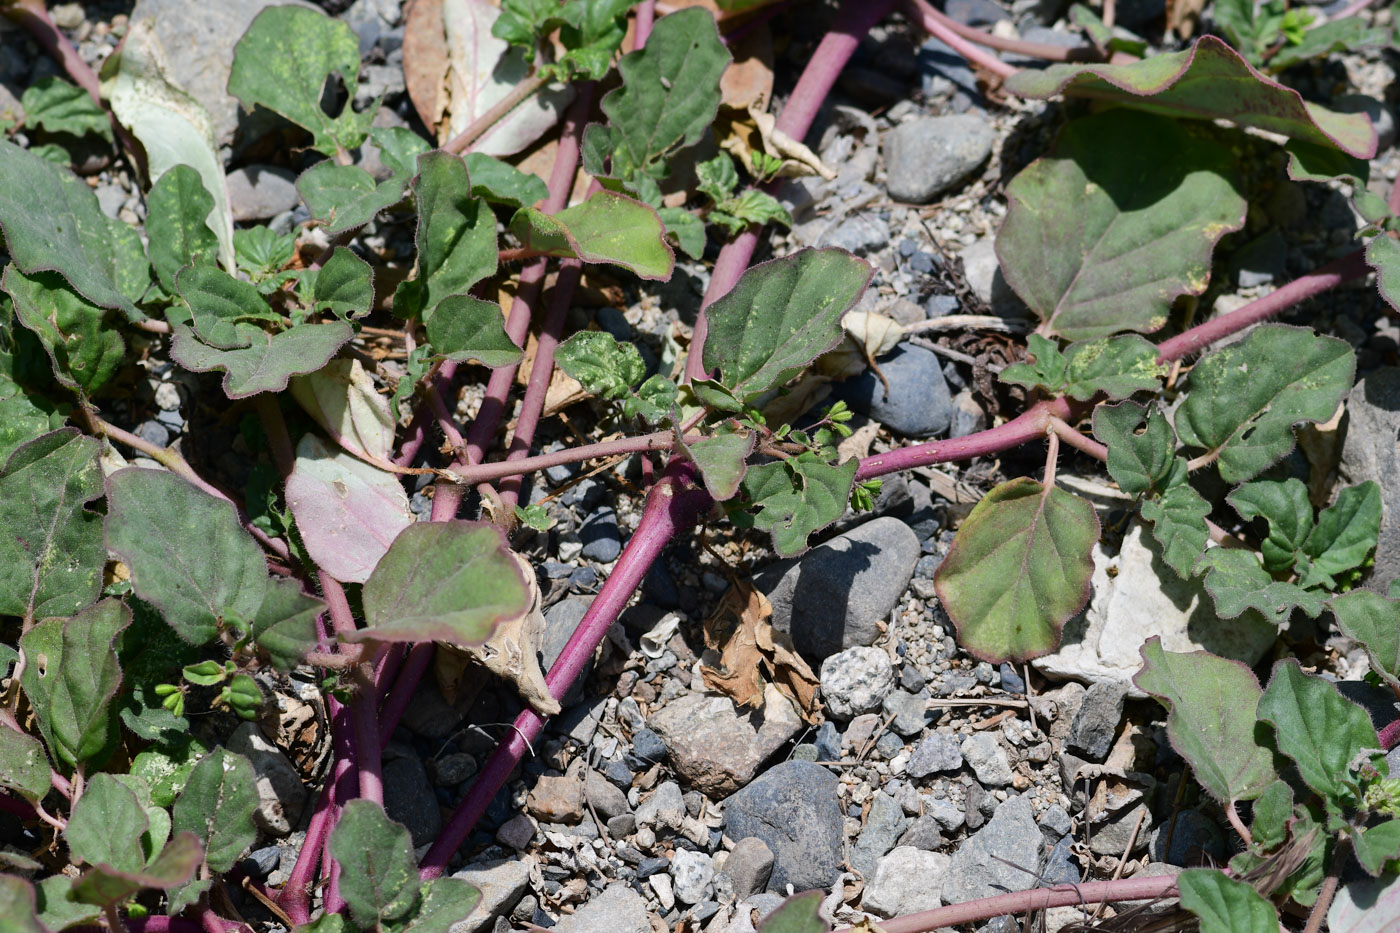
[721, 462]
[1236, 581]
[24, 768]
[797, 498]
[268, 361]
[1345, 535]
[344, 197]
[107, 824]
[83, 346]
[285, 626]
[687, 230]
[653, 400]
[58, 909]
[1284, 505]
[1272, 810]
[344, 285]
[1138, 462]
[25, 411]
[1224, 904]
[1208, 81]
[1243, 400]
[602, 364]
[283, 62]
[502, 183]
[1377, 845]
[166, 768]
[1018, 569]
[779, 317]
[217, 806]
[51, 551]
[17, 906]
[465, 328]
[178, 208]
[1211, 704]
[1179, 524]
[1115, 367]
[443, 581]
[1102, 236]
[173, 867]
[608, 227]
[1382, 255]
[445, 902]
[342, 398]
[348, 512]
[59, 106]
[456, 236]
[187, 553]
[379, 879]
[1373, 620]
[219, 303]
[1322, 731]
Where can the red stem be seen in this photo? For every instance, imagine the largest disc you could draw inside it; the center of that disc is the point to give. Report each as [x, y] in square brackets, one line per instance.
[935, 23]
[1030, 425]
[925, 13]
[34, 16]
[646, 18]
[1390, 735]
[498, 469]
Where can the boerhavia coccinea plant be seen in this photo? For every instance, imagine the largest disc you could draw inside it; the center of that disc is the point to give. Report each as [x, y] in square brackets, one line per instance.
[133, 599]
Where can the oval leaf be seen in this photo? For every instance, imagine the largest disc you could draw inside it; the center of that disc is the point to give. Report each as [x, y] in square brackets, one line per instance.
[217, 806]
[342, 398]
[1224, 904]
[379, 879]
[465, 328]
[24, 768]
[608, 227]
[268, 360]
[1321, 730]
[1374, 621]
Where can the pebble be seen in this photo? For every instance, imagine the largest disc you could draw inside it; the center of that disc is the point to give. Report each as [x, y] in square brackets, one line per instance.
[828, 742]
[517, 832]
[928, 156]
[153, 432]
[793, 808]
[746, 870]
[1061, 865]
[604, 796]
[1011, 680]
[665, 807]
[1370, 452]
[905, 881]
[501, 883]
[601, 537]
[936, 752]
[884, 824]
[1111, 837]
[409, 798]
[837, 595]
[987, 759]
[556, 800]
[618, 909]
[716, 747]
[924, 833]
[948, 814]
[1096, 723]
[918, 403]
[281, 795]
[910, 712]
[257, 192]
[856, 681]
[941, 305]
[1012, 834]
[648, 746]
[692, 874]
[167, 397]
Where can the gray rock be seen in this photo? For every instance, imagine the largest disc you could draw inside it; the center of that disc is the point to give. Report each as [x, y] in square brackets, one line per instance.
[619, 909]
[793, 808]
[944, 71]
[1111, 836]
[948, 814]
[560, 621]
[938, 751]
[1056, 821]
[905, 881]
[838, 593]
[910, 712]
[502, 884]
[1012, 834]
[604, 795]
[110, 199]
[975, 12]
[451, 770]
[856, 681]
[746, 870]
[1045, 36]
[622, 826]
[884, 824]
[1192, 834]
[928, 156]
[861, 233]
[257, 192]
[918, 403]
[1370, 452]
[1061, 867]
[517, 832]
[926, 832]
[409, 798]
[692, 874]
[716, 747]
[281, 795]
[153, 432]
[982, 269]
[987, 759]
[648, 746]
[602, 539]
[665, 807]
[1096, 723]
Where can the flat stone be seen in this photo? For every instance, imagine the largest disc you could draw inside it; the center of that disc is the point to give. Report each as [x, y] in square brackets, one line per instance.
[1111, 836]
[928, 156]
[793, 808]
[556, 799]
[692, 874]
[619, 909]
[987, 759]
[856, 681]
[665, 807]
[1370, 452]
[917, 403]
[605, 796]
[1012, 834]
[746, 870]
[281, 795]
[1096, 723]
[905, 881]
[716, 747]
[837, 594]
[501, 883]
[409, 798]
[924, 833]
[884, 824]
[257, 192]
[1061, 865]
[601, 537]
[1195, 839]
[936, 752]
[517, 832]
[910, 712]
[560, 621]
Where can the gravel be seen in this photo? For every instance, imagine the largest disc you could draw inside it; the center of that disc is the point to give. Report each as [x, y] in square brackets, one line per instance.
[917, 403]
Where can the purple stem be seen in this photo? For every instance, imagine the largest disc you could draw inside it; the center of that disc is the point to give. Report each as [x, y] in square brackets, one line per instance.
[1390, 735]
[850, 26]
[415, 665]
[646, 18]
[673, 505]
[365, 706]
[1028, 426]
[17, 808]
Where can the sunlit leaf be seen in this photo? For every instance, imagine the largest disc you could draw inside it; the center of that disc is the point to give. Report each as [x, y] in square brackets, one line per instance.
[603, 365]
[502, 183]
[1115, 367]
[342, 398]
[465, 328]
[1373, 620]
[1237, 581]
[344, 285]
[800, 913]
[1138, 462]
[608, 227]
[268, 361]
[379, 878]
[721, 461]
[1224, 904]
[456, 236]
[1345, 535]
[178, 208]
[798, 497]
[217, 806]
[1377, 845]
[1284, 505]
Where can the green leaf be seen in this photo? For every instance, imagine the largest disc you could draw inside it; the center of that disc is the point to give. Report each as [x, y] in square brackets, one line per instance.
[379, 878]
[526, 22]
[502, 183]
[456, 234]
[716, 178]
[269, 360]
[751, 207]
[24, 768]
[1114, 366]
[107, 824]
[1018, 569]
[592, 38]
[1211, 705]
[798, 497]
[326, 923]
[465, 328]
[1284, 505]
[652, 401]
[219, 303]
[344, 197]
[602, 364]
[130, 269]
[1208, 81]
[56, 105]
[668, 99]
[443, 581]
[51, 551]
[1382, 255]
[399, 149]
[51, 223]
[1243, 400]
[217, 806]
[285, 626]
[84, 349]
[445, 902]
[17, 906]
[800, 913]
[283, 62]
[780, 316]
[261, 251]
[1373, 620]
[1179, 524]
[1345, 535]
[1322, 731]
[174, 867]
[685, 229]
[173, 127]
[166, 768]
[1138, 462]
[608, 227]
[178, 207]
[1236, 581]
[1225, 905]
[1272, 810]
[25, 412]
[1377, 845]
[345, 285]
[187, 553]
[58, 910]
[721, 462]
[1339, 35]
[1101, 236]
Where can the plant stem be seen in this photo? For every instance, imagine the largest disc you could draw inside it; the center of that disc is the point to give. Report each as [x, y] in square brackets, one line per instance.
[1351, 9]
[1318, 916]
[1052, 459]
[672, 505]
[415, 664]
[1030, 425]
[498, 469]
[927, 16]
[1233, 816]
[1110, 13]
[34, 16]
[478, 127]
[646, 18]
[1041, 50]
[1078, 439]
[852, 22]
[279, 442]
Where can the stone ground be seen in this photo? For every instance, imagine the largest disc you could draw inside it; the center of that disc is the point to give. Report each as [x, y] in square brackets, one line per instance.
[921, 776]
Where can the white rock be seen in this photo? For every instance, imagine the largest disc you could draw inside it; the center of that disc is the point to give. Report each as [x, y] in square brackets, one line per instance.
[906, 880]
[692, 874]
[856, 681]
[502, 884]
[666, 806]
[661, 885]
[987, 759]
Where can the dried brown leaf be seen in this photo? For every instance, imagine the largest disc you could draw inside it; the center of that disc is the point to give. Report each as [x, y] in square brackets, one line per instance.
[753, 655]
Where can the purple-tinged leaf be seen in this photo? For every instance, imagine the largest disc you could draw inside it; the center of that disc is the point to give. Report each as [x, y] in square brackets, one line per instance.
[342, 398]
[1321, 730]
[24, 768]
[721, 462]
[1373, 620]
[268, 361]
[1366, 905]
[379, 879]
[1377, 845]
[17, 906]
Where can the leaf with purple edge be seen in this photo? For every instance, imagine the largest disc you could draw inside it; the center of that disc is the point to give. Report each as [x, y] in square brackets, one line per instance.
[721, 462]
[608, 227]
[1373, 620]
[268, 361]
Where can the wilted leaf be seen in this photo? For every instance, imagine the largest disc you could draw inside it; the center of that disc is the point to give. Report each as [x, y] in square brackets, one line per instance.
[285, 626]
[268, 361]
[176, 222]
[347, 512]
[379, 879]
[465, 328]
[721, 461]
[84, 347]
[1373, 620]
[342, 398]
[1224, 904]
[1018, 569]
[608, 227]
[1102, 236]
[1211, 705]
[750, 656]
[1236, 581]
[796, 498]
[217, 806]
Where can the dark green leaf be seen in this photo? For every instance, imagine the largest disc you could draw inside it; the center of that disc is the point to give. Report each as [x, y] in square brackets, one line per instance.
[652, 401]
[51, 551]
[1272, 810]
[780, 316]
[443, 581]
[60, 107]
[1373, 620]
[685, 229]
[107, 824]
[217, 806]
[269, 361]
[17, 911]
[526, 22]
[1018, 569]
[602, 364]
[345, 285]
[1377, 845]
[1236, 581]
[58, 910]
[608, 227]
[592, 38]
[456, 233]
[1284, 505]
[84, 348]
[1115, 367]
[1179, 524]
[1224, 904]
[1345, 535]
[798, 497]
[24, 768]
[219, 303]
[1211, 719]
[399, 149]
[379, 879]
[721, 462]
[502, 183]
[465, 328]
[283, 62]
[285, 626]
[1101, 236]
[25, 411]
[445, 903]
[166, 768]
[344, 197]
[187, 553]
[178, 209]
[1138, 462]
[751, 207]
[174, 866]
[1322, 731]
[262, 251]
[1243, 400]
